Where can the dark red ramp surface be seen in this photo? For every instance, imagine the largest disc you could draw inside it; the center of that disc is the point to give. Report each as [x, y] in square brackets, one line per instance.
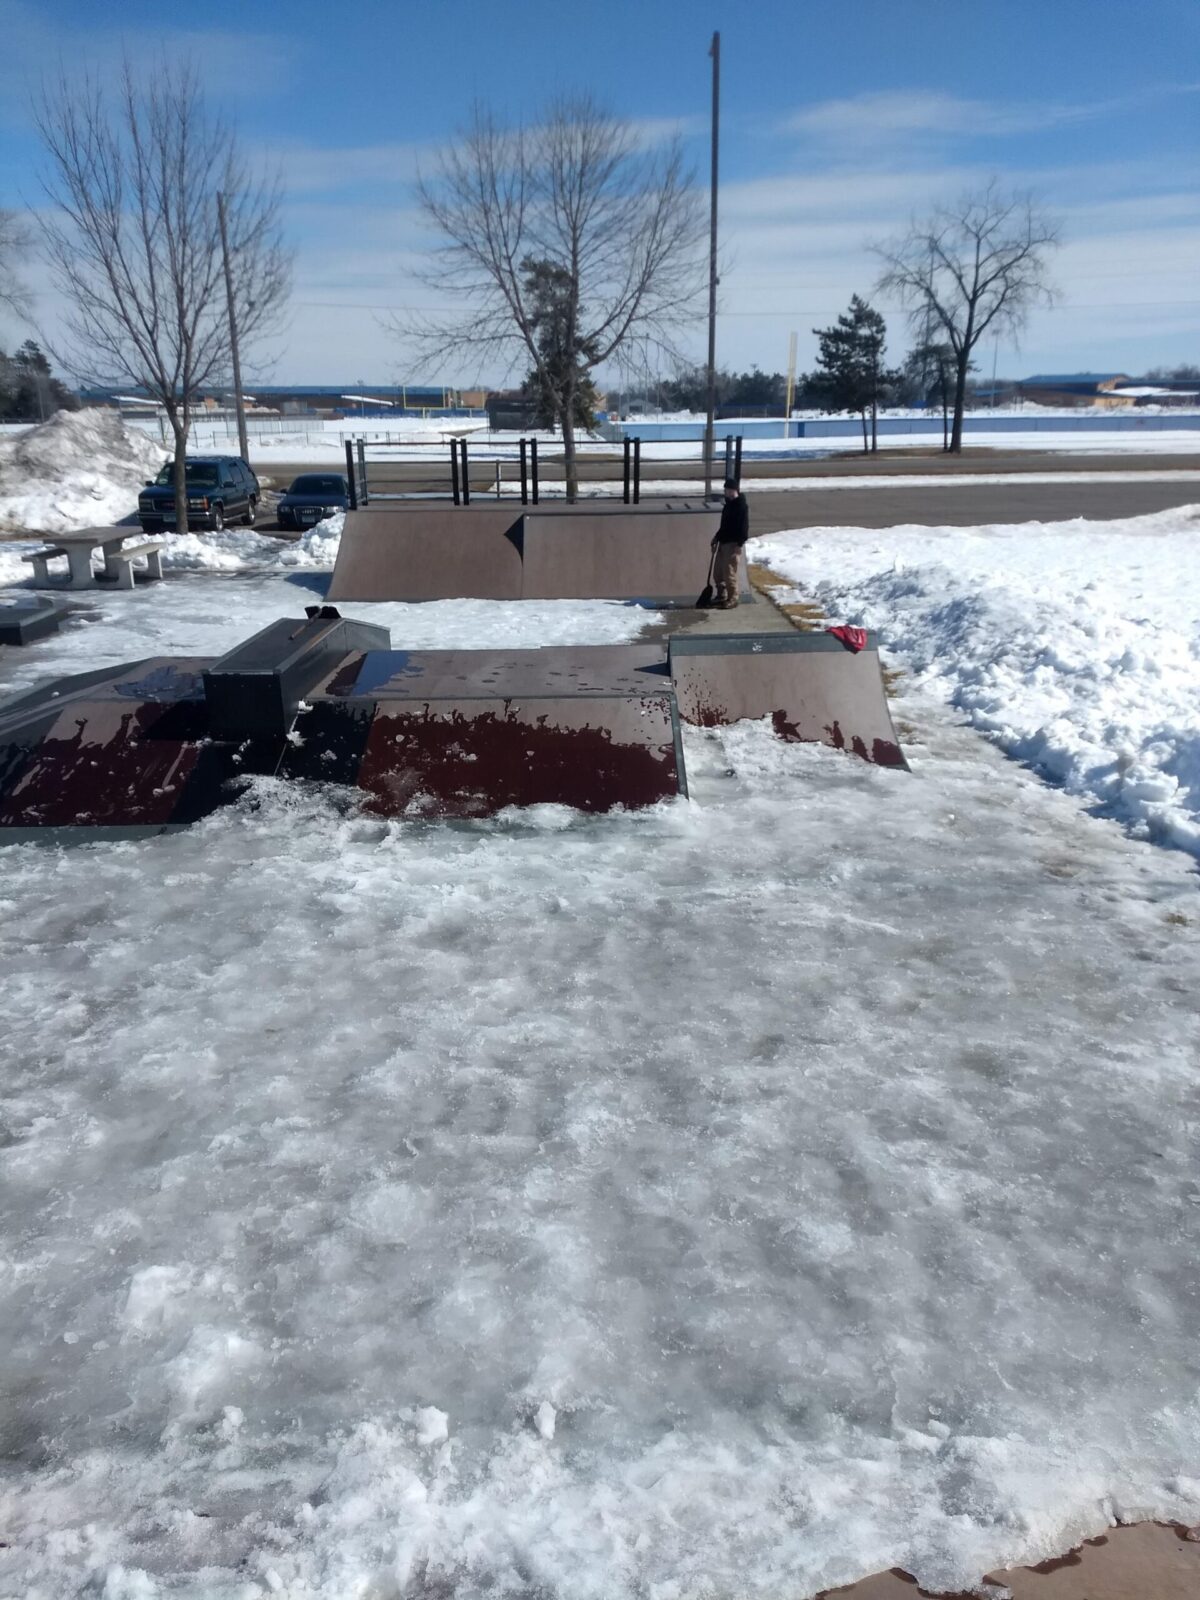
[122, 751]
[809, 684]
[617, 553]
[467, 732]
[429, 553]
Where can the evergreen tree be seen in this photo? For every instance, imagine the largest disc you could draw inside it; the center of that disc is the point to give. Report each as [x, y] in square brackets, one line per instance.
[29, 392]
[549, 296]
[851, 375]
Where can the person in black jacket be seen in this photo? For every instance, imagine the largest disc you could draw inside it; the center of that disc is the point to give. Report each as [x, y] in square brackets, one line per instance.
[728, 542]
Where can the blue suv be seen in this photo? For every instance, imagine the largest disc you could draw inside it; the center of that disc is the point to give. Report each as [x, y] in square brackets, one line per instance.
[220, 490]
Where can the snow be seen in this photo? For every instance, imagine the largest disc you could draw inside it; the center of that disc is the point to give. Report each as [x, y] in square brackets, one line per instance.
[80, 469]
[313, 442]
[1074, 645]
[728, 1199]
[815, 1155]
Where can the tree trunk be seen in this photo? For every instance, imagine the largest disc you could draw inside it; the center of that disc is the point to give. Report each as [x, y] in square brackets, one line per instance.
[945, 413]
[874, 427]
[179, 427]
[863, 416]
[570, 468]
[960, 397]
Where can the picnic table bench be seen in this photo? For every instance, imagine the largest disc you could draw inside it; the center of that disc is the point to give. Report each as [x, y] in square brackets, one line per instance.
[78, 548]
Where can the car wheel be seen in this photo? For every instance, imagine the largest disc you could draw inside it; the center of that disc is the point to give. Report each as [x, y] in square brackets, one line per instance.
[248, 519]
[218, 517]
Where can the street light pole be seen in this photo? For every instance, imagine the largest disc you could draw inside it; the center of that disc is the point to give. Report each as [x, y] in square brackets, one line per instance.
[715, 53]
[243, 441]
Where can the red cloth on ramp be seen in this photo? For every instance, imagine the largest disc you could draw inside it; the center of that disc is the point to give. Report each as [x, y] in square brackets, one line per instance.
[853, 638]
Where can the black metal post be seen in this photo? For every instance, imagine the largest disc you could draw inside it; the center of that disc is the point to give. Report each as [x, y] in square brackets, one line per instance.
[454, 470]
[729, 455]
[710, 426]
[466, 480]
[737, 461]
[351, 475]
[533, 454]
[524, 479]
[628, 447]
[365, 488]
[637, 471]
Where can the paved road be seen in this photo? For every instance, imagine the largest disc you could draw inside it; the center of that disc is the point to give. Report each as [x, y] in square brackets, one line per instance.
[964, 505]
[958, 505]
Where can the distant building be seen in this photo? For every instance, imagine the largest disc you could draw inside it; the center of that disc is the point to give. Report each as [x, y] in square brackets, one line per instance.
[1074, 389]
[1168, 392]
[317, 400]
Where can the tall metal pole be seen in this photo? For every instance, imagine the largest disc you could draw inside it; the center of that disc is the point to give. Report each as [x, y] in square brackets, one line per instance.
[243, 441]
[715, 53]
[791, 386]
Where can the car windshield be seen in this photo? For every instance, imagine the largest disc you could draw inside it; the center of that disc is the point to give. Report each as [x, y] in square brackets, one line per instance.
[313, 484]
[200, 475]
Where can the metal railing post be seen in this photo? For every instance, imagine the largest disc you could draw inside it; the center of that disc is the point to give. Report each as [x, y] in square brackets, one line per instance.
[637, 470]
[524, 479]
[351, 476]
[628, 447]
[737, 461]
[362, 468]
[454, 471]
[729, 455]
[533, 459]
[466, 481]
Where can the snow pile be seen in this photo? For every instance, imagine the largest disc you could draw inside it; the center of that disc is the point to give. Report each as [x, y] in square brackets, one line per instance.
[727, 1199]
[78, 469]
[241, 549]
[1075, 645]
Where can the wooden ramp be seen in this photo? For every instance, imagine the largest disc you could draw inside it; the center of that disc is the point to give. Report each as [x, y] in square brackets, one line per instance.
[656, 555]
[811, 686]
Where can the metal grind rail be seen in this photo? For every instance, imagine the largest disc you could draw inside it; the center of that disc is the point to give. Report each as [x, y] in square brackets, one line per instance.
[465, 471]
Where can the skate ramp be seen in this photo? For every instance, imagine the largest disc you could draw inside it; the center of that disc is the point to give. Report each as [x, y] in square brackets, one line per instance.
[461, 733]
[656, 556]
[429, 553]
[809, 684]
[485, 552]
[117, 753]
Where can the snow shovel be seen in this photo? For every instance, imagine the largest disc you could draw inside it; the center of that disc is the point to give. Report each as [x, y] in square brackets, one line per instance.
[706, 594]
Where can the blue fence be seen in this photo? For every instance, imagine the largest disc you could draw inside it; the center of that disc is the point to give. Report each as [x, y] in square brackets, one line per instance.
[851, 428]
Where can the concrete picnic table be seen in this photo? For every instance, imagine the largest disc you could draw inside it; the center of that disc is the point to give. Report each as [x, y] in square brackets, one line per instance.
[78, 546]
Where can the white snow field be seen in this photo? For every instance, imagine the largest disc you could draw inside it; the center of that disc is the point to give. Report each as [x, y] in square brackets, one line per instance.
[78, 469]
[1074, 645]
[723, 1200]
[224, 587]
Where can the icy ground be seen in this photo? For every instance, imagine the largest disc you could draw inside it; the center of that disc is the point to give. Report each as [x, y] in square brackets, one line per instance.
[223, 588]
[723, 1200]
[1075, 645]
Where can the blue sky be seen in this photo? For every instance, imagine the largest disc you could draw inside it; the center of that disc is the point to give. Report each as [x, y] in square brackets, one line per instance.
[839, 121]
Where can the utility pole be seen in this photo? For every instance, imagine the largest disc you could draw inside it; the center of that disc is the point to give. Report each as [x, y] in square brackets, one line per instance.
[715, 53]
[791, 386]
[243, 441]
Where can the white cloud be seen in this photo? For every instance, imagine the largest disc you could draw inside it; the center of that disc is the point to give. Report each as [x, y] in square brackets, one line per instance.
[893, 118]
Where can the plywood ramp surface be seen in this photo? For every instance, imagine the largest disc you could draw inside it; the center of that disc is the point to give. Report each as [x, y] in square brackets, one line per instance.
[429, 553]
[620, 554]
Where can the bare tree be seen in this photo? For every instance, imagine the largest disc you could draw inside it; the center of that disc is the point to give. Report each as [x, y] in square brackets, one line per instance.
[14, 247]
[134, 241]
[979, 265]
[574, 196]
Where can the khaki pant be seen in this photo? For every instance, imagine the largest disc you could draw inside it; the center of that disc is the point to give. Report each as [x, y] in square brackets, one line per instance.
[725, 573]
